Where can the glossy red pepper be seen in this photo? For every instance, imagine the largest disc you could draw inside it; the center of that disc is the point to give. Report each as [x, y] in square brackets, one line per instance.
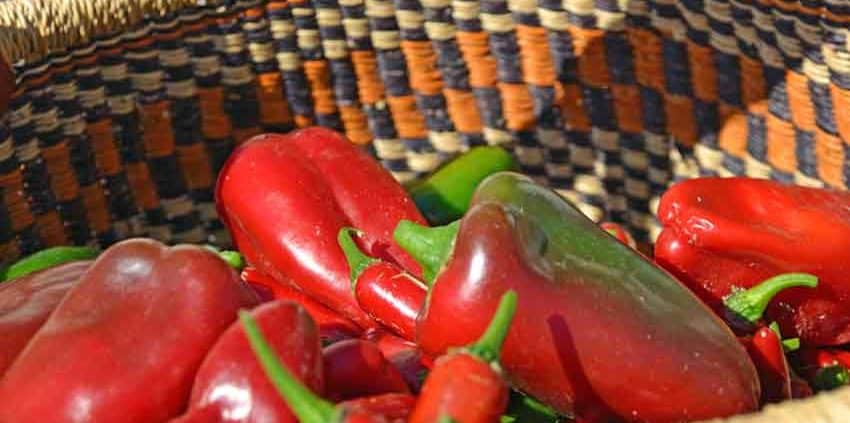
[406, 356]
[384, 291]
[619, 232]
[725, 233]
[26, 303]
[600, 331]
[307, 406]
[766, 351]
[332, 326]
[466, 385]
[393, 408]
[232, 386]
[140, 320]
[356, 368]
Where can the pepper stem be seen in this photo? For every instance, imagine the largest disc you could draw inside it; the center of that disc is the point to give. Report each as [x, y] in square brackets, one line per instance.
[232, 258]
[47, 258]
[429, 246]
[831, 377]
[489, 346]
[308, 407]
[750, 304]
[357, 260]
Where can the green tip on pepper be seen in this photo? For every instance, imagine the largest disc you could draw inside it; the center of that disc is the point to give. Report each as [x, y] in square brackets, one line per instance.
[306, 405]
[232, 258]
[489, 345]
[789, 344]
[831, 377]
[47, 258]
[749, 304]
[429, 246]
[445, 418]
[357, 260]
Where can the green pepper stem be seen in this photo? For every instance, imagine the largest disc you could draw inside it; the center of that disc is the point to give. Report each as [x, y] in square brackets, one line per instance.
[750, 304]
[489, 346]
[429, 246]
[358, 262]
[47, 258]
[831, 377]
[232, 258]
[308, 407]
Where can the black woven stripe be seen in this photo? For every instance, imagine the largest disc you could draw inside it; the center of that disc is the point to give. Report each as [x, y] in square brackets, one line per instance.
[29, 241]
[489, 102]
[393, 72]
[74, 214]
[824, 112]
[677, 74]
[442, 14]
[708, 120]
[332, 121]
[156, 217]
[218, 151]
[185, 222]
[166, 176]
[545, 110]
[242, 106]
[529, 19]
[433, 108]
[186, 120]
[36, 181]
[652, 104]
[298, 93]
[380, 122]
[451, 64]
[620, 58]
[807, 161]
[418, 145]
[757, 137]
[468, 25]
[505, 49]
[728, 78]
[563, 56]
[345, 82]
[120, 197]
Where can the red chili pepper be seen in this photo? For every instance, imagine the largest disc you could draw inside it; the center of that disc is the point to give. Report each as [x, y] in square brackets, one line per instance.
[307, 406]
[405, 356]
[466, 385]
[125, 343]
[332, 326]
[744, 308]
[284, 199]
[395, 408]
[232, 384]
[766, 351]
[356, 368]
[726, 233]
[26, 303]
[384, 291]
[824, 368]
[619, 232]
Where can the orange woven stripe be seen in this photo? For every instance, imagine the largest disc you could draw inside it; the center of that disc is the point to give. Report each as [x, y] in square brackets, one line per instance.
[781, 145]
[369, 84]
[356, 125]
[590, 49]
[254, 12]
[106, 156]
[830, 154]
[195, 166]
[16, 204]
[841, 102]
[274, 110]
[701, 60]
[572, 109]
[9, 251]
[140, 43]
[537, 67]
[172, 34]
[802, 109]
[647, 49]
[51, 230]
[63, 181]
[320, 86]
[681, 121]
[422, 63]
[518, 106]
[627, 107]
[733, 135]
[142, 186]
[277, 4]
[241, 135]
[476, 53]
[753, 87]
[215, 123]
[408, 121]
[96, 209]
[302, 121]
[157, 134]
[463, 110]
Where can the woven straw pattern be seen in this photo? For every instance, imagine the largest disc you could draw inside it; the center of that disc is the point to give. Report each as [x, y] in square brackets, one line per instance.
[125, 110]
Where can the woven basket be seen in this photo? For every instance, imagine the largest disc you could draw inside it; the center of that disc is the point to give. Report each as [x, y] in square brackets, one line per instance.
[124, 110]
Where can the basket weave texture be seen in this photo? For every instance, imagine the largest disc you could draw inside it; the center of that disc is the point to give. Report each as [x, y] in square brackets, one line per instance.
[124, 110]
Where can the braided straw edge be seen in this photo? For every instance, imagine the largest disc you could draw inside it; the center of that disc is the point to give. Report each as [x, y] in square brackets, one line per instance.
[827, 407]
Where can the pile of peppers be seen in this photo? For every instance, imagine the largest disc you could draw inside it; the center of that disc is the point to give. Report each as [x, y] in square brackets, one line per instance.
[474, 295]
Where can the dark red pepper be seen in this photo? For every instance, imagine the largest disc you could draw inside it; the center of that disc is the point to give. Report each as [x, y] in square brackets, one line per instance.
[356, 368]
[232, 383]
[824, 368]
[768, 355]
[26, 303]
[284, 199]
[332, 326]
[466, 385]
[726, 233]
[125, 343]
[406, 356]
[394, 408]
[384, 291]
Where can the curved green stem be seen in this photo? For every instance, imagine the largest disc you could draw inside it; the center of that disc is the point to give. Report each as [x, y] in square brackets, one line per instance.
[750, 304]
[233, 258]
[306, 405]
[489, 345]
[47, 258]
[429, 246]
[358, 262]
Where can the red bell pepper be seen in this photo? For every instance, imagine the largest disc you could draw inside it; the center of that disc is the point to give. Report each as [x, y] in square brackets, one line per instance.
[307, 406]
[768, 355]
[721, 234]
[600, 330]
[384, 291]
[232, 383]
[125, 343]
[356, 368]
[332, 326]
[26, 303]
[466, 385]
[284, 199]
